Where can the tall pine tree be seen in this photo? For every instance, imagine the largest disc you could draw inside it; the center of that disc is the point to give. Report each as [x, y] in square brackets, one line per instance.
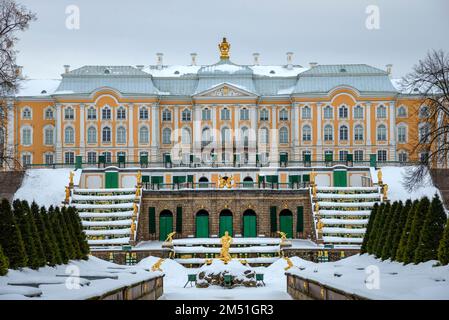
[46, 219]
[443, 248]
[431, 232]
[402, 220]
[415, 231]
[66, 234]
[72, 234]
[4, 263]
[11, 238]
[47, 245]
[55, 222]
[31, 213]
[81, 236]
[373, 234]
[406, 232]
[369, 229]
[392, 227]
[386, 227]
[381, 228]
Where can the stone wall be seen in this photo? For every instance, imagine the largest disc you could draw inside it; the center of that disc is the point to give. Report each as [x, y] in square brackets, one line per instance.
[313, 254]
[119, 256]
[145, 290]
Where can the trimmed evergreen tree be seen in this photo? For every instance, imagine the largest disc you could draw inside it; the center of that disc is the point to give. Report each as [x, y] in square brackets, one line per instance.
[369, 229]
[373, 234]
[385, 228]
[81, 235]
[4, 263]
[415, 231]
[443, 248]
[11, 238]
[47, 244]
[66, 234]
[55, 222]
[31, 214]
[72, 234]
[380, 229]
[46, 218]
[402, 220]
[392, 227]
[431, 232]
[406, 232]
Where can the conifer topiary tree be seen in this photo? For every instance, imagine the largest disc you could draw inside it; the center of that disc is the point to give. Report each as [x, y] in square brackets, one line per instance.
[380, 229]
[55, 222]
[72, 234]
[406, 232]
[443, 248]
[4, 263]
[431, 232]
[392, 227]
[373, 234]
[415, 231]
[385, 228]
[402, 220]
[369, 229]
[31, 214]
[11, 238]
[66, 234]
[47, 244]
[46, 218]
[81, 236]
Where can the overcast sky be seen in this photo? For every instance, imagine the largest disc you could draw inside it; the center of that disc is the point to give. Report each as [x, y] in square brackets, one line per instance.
[117, 32]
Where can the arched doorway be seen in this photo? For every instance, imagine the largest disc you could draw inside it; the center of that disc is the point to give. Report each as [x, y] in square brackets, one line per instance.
[203, 182]
[202, 224]
[248, 182]
[165, 224]
[286, 222]
[249, 224]
[226, 221]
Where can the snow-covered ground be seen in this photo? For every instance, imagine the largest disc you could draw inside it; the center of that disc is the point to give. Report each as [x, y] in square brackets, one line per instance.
[59, 287]
[394, 177]
[46, 186]
[395, 281]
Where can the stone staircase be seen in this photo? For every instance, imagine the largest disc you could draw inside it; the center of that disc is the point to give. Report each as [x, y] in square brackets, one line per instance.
[343, 213]
[109, 216]
[10, 182]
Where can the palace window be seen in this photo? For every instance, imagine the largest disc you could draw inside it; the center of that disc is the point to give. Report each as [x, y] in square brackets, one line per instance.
[403, 156]
[143, 113]
[381, 155]
[358, 155]
[283, 135]
[121, 154]
[382, 133]
[121, 113]
[283, 115]
[92, 157]
[121, 135]
[343, 155]
[424, 112]
[358, 133]
[206, 114]
[166, 115]
[186, 115]
[106, 136]
[329, 153]
[26, 113]
[166, 136]
[306, 133]
[424, 133]
[49, 158]
[26, 159]
[358, 112]
[185, 136]
[69, 158]
[381, 112]
[69, 135]
[402, 112]
[206, 137]
[328, 112]
[69, 113]
[402, 134]
[225, 114]
[328, 133]
[344, 133]
[306, 112]
[264, 115]
[91, 113]
[245, 136]
[27, 136]
[49, 114]
[264, 138]
[92, 135]
[225, 135]
[306, 153]
[106, 113]
[343, 112]
[49, 138]
[144, 135]
[244, 114]
[107, 157]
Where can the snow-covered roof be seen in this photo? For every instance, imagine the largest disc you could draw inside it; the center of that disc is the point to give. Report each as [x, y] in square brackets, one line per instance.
[38, 87]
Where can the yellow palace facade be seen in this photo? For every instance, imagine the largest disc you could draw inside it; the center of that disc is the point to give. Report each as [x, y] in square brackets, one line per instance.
[223, 115]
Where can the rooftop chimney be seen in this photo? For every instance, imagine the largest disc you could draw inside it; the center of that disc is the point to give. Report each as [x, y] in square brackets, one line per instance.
[256, 58]
[140, 66]
[313, 64]
[193, 55]
[289, 60]
[389, 68]
[159, 60]
[66, 68]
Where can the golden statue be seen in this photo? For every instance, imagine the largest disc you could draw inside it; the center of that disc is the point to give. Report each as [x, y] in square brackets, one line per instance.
[314, 191]
[137, 192]
[319, 225]
[133, 228]
[139, 178]
[317, 208]
[224, 47]
[312, 177]
[225, 182]
[208, 262]
[289, 263]
[385, 190]
[379, 176]
[67, 194]
[135, 208]
[170, 237]
[71, 178]
[283, 236]
[226, 241]
[157, 265]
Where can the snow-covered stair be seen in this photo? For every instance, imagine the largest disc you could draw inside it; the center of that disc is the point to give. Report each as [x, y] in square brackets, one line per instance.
[344, 212]
[107, 215]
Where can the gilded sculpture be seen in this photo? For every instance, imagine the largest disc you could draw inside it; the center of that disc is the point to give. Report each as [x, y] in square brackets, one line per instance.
[224, 47]
[226, 242]
[225, 182]
[170, 237]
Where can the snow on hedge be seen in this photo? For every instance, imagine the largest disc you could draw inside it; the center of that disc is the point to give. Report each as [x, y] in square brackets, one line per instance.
[46, 186]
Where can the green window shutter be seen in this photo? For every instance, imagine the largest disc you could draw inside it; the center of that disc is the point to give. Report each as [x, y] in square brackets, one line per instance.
[190, 178]
[306, 178]
[157, 179]
[261, 179]
[179, 219]
[300, 219]
[273, 219]
[145, 179]
[152, 220]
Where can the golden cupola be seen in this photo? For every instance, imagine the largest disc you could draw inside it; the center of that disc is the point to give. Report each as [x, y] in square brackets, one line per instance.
[224, 47]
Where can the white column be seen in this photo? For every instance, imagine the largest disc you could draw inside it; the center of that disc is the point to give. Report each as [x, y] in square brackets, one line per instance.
[155, 118]
[59, 133]
[236, 133]
[82, 132]
[274, 141]
[368, 124]
[392, 131]
[319, 131]
[295, 131]
[197, 131]
[130, 152]
[215, 130]
[253, 135]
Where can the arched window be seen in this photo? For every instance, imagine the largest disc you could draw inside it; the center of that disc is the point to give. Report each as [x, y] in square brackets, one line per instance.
[206, 137]
[264, 115]
[225, 114]
[166, 136]
[306, 112]
[143, 113]
[402, 112]
[106, 113]
[382, 133]
[358, 133]
[185, 136]
[358, 112]
[69, 135]
[343, 112]
[344, 132]
[92, 135]
[306, 133]
[244, 114]
[423, 133]
[166, 115]
[328, 112]
[27, 136]
[283, 135]
[186, 115]
[69, 114]
[121, 135]
[403, 156]
[264, 138]
[206, 114]
[49, 114]
[106, 135]
[91, 113]
[26, 113]
[283, 115]
[328, 133]
[144, 135]
[381, 112]
[424, 112]
[225, 135]
[402, 134]
[49, 136]
[244, 136]
[121, 113]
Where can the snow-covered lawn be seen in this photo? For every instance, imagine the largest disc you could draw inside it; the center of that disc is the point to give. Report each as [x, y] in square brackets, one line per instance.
[46, 186]
[55, 284]
[396, 281]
